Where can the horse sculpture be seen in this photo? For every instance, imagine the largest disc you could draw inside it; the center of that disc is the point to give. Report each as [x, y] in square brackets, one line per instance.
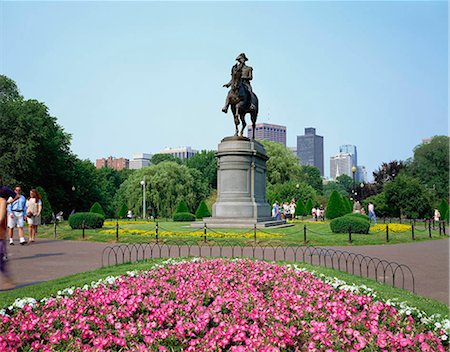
[242, 102]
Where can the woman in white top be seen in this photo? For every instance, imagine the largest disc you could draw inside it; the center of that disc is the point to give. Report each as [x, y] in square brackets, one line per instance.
[34, 209]
[292, 207]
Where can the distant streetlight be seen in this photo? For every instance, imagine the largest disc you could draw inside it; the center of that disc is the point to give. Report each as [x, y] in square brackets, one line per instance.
[143, 198]
[353, 173]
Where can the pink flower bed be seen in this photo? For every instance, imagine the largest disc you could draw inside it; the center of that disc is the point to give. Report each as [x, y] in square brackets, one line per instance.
[239, 305]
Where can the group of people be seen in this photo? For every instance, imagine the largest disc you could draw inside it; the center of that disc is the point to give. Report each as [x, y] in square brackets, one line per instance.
[284, 211]
[318, 213]
[15, 209]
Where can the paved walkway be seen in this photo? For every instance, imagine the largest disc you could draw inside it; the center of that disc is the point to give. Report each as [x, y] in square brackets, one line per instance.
[49, 259]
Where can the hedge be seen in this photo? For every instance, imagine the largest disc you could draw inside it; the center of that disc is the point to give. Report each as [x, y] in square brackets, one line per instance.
[202, 211]
[90, 220]
[343, 223]
[97, 208]
[183, 217]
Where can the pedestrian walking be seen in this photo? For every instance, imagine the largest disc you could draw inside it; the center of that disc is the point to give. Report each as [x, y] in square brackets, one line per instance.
[371, 209]
[292, 208]
[314, 213]
[17, 210]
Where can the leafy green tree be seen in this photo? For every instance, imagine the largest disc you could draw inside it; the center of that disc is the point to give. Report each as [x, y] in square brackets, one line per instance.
[166, 184]
[387, 172]
[108, 181]
[84, 183]
[284, 192]
[332, 186]
[382, 209]
[160, 158]
[430, 165]
[348, 205]
[122, 212]
[407, 196]
[300, 209]
[282, 165]
[336, 207]
[46, 213]
[97, 208]
[205, 162]
[8, 89]
[311, 176]
[346, 182]
[202, 211]
[308, 206]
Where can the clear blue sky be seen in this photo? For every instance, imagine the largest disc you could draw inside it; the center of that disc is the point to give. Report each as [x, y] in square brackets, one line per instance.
[127, 77]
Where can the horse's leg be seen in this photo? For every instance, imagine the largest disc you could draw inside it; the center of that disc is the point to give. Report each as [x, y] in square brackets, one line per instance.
[253, 115]
[242, 116]
[236, 119]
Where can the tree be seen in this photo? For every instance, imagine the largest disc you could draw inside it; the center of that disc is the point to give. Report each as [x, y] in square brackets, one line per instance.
[205, 162]
[108, 181]
[160, 158]
[406, 196]
[430, 165]
[311, 176]
[8, 89]
[97, 208]
[122, 211]
[346, 182]
[382, 209]
[282, 165]
[336, 207]
[182, 207]
[332, 186]
[387, 172]
[443, 207]
[300, 209]
[284, 192]
[308, 207]
[167, 183]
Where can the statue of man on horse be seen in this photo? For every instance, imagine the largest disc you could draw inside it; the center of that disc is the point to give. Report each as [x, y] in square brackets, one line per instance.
[240, 96]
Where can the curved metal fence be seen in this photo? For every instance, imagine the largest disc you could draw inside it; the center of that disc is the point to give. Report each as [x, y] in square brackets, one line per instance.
[391, 273]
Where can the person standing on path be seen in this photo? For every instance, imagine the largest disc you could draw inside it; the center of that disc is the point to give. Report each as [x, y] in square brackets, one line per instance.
[17, 210]
[292, 208]
[372, 215]
[34, 209]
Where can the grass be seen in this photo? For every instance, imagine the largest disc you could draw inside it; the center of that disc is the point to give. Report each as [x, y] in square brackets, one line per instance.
[50, 288]
[317, 234]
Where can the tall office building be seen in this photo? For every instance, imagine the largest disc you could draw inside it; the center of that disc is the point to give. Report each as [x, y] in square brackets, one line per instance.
[350, 149]
[271, 132]
[180, 152]
[113, 163]
[361, 174]
[341, 164]
[140, 160]
[310, 149]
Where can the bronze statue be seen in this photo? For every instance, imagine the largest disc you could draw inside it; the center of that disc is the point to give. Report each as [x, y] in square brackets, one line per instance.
[241, 97]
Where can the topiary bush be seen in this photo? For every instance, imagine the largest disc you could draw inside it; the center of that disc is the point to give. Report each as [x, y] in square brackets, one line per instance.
[300, 209]
[202, 211]
[336, 207]
[182, 207]
[123, 211]
[308, 207]
[359, 216]
[183, 217]
[343, 223]
[90, 220]
[97, 208]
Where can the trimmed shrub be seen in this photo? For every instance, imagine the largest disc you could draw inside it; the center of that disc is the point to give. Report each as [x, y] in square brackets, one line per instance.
[443, 207]
[90, 220]
[358, 216]
[308, 207]
[202, 211]
[182, 207]
[97, 208]
[300, 209]
[183, 217]
[336, 207]
[348, 204]
[343, 223]
[123, 211]
[46, 213]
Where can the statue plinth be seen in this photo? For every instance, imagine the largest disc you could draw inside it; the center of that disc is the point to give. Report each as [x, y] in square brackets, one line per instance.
[241, 186]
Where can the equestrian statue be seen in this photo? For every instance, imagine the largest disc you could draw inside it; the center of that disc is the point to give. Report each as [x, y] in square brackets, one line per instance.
[240, 96]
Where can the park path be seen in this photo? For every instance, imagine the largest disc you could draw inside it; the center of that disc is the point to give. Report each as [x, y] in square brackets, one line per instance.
[49, 259]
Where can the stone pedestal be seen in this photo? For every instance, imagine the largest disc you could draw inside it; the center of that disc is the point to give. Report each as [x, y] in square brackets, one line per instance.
[241, 185]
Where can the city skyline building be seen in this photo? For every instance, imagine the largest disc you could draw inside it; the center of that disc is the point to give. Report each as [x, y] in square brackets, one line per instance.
[310, 149]
[140, 160]
[180, 152]
[350, 149]
[113, 163]
[361, 174]
[341, 164]
[269, 131]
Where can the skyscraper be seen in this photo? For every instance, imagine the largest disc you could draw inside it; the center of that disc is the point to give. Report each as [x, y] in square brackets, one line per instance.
[310, 149]
[271, 132]
[341, 164]
[350, 149]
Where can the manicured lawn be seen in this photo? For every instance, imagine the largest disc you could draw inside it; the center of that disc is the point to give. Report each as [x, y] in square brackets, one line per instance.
[317, 234]
[50, 288]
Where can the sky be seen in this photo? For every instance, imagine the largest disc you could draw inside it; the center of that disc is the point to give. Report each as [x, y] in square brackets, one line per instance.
[136, 77]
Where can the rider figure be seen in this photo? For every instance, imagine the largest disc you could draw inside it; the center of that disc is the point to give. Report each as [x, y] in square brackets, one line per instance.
[241, 75]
